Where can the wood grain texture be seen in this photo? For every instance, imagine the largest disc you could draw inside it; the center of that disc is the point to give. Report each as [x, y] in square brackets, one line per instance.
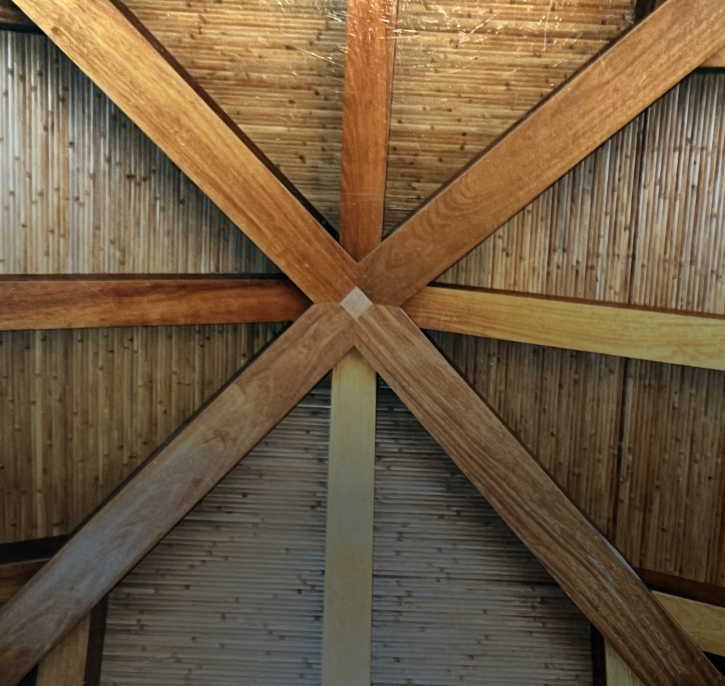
[673, 337]
[366, 122]
[710, 594]
[81, 303]
[76, 660]
[152, 90]
[157, 496]
[587, 567]
[347, 619]
[558, 134]
[704, 623]
[618, 672]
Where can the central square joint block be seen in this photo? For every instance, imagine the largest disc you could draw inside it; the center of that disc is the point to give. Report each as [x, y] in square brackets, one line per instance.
[356, 303]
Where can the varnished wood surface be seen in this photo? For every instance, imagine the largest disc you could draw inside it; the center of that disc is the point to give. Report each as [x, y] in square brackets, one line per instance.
[563, 130]
[158, 495]
[366, 122]
[151, 89]
[671, 337]
[588, 568]
[347, 618]
[94, 302]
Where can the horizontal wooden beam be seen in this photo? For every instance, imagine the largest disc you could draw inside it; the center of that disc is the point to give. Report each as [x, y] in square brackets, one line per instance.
[704, 623]
[578, 557]
[702, 592]
[661, 336]
[169, 484]
[583, 113]
[129, 65]
[94, 302]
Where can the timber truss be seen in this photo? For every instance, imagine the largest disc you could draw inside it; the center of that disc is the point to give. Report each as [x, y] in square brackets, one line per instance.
[368, 295]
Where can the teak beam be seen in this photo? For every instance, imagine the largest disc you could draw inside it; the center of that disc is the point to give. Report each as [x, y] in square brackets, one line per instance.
[578, 117]
[117, 53]
[158, 495]
[93, 302]
[581, 560]
[646, 334]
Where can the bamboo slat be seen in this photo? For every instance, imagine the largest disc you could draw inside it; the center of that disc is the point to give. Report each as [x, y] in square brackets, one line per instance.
[458, 599]
[82, 190]
[82, 409]
[234, 594]
[466, 72]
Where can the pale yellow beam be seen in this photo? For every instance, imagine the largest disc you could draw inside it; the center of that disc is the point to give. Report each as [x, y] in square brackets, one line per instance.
[705, 623]
[618, 671]
[347, 623]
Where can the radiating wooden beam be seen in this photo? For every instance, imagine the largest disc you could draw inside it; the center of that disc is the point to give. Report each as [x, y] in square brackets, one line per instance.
[581, 115]
[579, 558]
[366, 122]
[347, 619]
[159, 494]
[92, 302]
[76, 660]
[114, 50]
[685, 338]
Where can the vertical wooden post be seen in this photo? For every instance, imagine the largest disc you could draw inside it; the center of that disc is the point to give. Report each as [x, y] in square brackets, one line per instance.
[76, 660]
[618, 671]
[347, 623]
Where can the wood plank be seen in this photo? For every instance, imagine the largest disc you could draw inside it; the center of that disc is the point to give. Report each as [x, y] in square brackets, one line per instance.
[569, 125]
[618, 672]
[12, 18]
[366, 122]
[95, 302]
[159, 494]
[662, 336]
[76, 660]
[709, 594]
[579, 558]
[704, 623]
[119, 55]
[347, 619]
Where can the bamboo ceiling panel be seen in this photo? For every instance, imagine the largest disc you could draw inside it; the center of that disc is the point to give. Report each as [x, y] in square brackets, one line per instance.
[83, 190]
[80, 410]
[276, 67]
[458, 599]
[639, 221]
[234, 593]
[467, 71]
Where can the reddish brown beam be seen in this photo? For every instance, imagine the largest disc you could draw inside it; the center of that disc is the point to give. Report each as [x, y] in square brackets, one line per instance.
[366, 122]
[93, 302]
[581, 115]
[12, 18]
[579, 558]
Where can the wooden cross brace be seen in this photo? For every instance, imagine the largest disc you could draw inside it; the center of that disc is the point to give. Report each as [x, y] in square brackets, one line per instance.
[361, 304]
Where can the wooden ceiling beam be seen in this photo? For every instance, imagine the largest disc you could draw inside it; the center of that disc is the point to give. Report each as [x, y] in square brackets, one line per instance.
[79, 302]
[574, 552]
[672, 337]
[134, 70]
[582, 114]
[169, 484]
[12, 18]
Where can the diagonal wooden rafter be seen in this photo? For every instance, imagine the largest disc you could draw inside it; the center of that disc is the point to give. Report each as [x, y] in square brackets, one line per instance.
[509, 477]
[94, 34]
[583, 113]
[116, 52]
[157, 496]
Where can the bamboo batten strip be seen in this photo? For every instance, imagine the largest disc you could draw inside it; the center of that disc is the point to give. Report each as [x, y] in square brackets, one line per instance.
[563, 405]
[276, 68]
[234, 593]
[79, 410]
[82, 190]
[467, 72]
[457, 598]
